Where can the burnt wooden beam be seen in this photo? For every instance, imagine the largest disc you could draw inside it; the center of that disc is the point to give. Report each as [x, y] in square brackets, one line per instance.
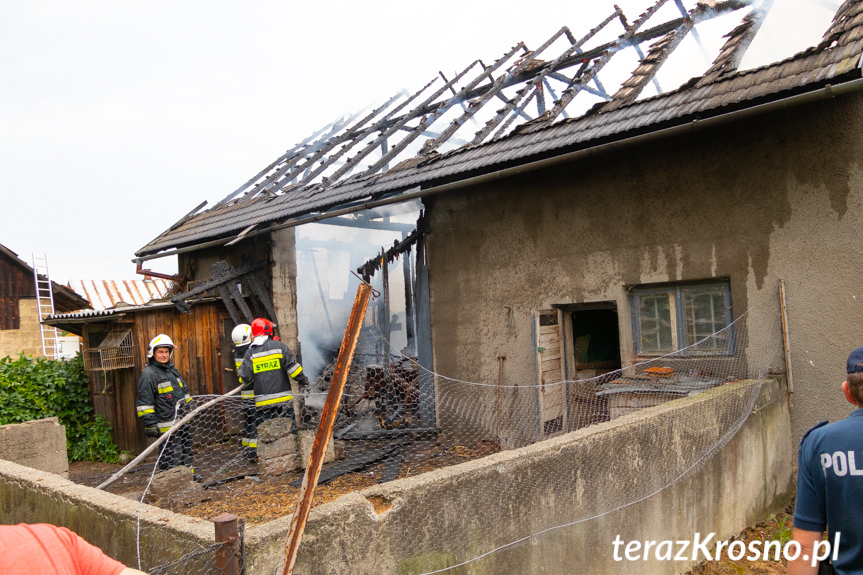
[354, 464]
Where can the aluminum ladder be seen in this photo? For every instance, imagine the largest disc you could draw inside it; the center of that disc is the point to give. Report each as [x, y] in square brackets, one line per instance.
[45, 306]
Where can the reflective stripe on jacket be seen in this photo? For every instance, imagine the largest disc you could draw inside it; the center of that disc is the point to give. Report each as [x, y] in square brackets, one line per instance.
[248, 393]
[160, 388]
[269, 367]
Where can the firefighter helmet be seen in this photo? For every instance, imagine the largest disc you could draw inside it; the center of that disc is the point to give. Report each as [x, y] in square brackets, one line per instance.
[261, 326]
[242, 335]
[160, 340]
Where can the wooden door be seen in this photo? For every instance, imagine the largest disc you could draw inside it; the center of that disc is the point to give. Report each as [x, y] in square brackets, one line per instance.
[550, 373]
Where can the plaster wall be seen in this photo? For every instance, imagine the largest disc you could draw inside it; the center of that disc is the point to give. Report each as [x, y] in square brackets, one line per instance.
[775, 197]
[543, 492]
[105, 520]
[27, 339]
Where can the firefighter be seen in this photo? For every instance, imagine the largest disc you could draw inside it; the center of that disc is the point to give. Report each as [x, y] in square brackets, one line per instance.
[162, 394]
[242, 336]
[270, 365]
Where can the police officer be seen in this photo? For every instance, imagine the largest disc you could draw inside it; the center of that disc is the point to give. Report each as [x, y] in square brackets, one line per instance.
[270, 365]
[830, 485]
[160, 390]
[242, 336]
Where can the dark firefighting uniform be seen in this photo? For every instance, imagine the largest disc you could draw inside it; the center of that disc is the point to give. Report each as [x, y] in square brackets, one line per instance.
[160, 389]
[270, 366]
[250, 440]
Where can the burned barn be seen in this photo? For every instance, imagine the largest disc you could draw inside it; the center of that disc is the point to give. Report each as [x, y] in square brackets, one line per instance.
[629, 232]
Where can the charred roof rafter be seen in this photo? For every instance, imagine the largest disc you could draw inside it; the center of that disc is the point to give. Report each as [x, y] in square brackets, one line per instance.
[305, 162]
[402, 133]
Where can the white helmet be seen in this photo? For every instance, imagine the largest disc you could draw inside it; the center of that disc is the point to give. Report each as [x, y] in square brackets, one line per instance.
[160, 340]
[242, 335]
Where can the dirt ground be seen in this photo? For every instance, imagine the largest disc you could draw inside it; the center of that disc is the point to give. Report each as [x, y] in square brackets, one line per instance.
[258, 498]
[776, 528]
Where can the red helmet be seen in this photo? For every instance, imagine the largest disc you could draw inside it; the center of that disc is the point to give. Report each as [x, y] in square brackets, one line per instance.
[261, 326]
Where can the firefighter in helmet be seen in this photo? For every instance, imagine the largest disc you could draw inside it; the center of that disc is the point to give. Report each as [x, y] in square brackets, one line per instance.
[270, 365]
[242, 336]
[162, 395]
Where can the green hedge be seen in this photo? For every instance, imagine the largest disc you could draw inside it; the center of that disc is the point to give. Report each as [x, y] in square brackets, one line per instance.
[39, 388]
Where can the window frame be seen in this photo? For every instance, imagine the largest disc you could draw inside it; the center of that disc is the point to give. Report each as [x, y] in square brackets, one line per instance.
[679, 318]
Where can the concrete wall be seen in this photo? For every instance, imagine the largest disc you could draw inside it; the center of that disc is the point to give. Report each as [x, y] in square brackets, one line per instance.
[454, 514]
[450, 515]
[27, 339]
[284, 288]
[104, 519]
[774, 197]
[39, 444]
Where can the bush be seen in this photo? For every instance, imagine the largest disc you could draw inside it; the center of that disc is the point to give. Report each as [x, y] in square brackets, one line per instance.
[39, 388]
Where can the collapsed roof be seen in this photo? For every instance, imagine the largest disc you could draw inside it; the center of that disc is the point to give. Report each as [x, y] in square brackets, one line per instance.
[411, 148]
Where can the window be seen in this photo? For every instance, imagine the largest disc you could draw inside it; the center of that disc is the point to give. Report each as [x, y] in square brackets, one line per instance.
[669, 318]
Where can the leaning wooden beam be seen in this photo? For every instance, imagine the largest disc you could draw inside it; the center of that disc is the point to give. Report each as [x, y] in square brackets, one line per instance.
[356, 464]
[164, 437]
[325, 428]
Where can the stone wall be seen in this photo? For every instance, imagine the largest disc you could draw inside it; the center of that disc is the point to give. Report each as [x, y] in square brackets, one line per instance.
[28, 338]
[39, 444]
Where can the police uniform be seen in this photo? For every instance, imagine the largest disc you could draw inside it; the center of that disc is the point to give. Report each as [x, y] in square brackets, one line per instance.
[270, 365]
[830, 487]
[250, 440]
[160, 389]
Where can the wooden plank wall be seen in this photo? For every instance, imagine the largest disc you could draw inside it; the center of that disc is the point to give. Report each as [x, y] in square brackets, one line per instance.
[15, 283]
[199, 359]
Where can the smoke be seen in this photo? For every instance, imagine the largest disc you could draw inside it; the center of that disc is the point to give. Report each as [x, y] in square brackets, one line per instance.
[327, 253]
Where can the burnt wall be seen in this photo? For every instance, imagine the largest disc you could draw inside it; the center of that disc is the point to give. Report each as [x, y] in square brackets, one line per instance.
[770, 198]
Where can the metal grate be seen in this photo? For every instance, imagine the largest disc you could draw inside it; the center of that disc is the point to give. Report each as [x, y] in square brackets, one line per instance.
[115, 352]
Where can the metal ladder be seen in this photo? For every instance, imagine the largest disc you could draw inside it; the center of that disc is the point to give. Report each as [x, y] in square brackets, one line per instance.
[45, 306]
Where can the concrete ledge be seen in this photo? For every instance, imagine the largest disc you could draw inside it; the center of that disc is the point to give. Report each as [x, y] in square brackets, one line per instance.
[104, 519]
[598, 482]
[40, 444]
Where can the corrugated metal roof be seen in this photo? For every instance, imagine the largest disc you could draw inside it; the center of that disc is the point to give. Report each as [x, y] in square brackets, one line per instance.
[105, 294]
[837, 57]
[80, 314]
[119, 310]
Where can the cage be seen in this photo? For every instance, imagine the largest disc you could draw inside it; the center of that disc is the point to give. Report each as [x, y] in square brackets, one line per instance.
[115, 352]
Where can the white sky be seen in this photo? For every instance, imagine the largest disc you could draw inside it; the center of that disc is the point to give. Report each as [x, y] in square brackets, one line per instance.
[117, 118]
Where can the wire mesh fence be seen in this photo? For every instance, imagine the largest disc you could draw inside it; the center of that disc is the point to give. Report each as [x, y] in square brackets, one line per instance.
[383, 433]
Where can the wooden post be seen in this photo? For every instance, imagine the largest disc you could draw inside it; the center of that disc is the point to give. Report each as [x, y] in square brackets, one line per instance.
[785, 341]
[325, 429]
[228, 533]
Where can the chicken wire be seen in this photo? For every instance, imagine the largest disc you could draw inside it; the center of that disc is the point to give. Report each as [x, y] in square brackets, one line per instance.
[380, 435]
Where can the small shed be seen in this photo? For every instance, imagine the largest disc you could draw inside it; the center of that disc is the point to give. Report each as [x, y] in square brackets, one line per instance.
[115, 354]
